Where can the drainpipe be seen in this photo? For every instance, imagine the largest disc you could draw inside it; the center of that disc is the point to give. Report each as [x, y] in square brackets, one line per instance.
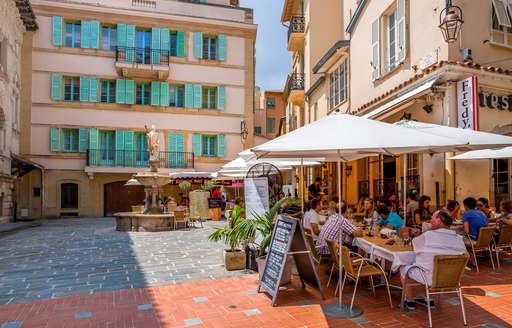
[43, 174]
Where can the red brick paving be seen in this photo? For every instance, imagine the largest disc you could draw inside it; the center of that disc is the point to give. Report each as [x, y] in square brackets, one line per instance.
[173, 304]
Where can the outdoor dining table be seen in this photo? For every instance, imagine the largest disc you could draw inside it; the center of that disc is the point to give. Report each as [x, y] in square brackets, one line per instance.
[378, 249]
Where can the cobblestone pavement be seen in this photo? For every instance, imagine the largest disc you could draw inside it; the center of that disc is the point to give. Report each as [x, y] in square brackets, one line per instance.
[65, 257]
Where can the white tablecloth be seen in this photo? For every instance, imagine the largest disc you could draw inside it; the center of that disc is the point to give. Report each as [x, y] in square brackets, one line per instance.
[396, 258]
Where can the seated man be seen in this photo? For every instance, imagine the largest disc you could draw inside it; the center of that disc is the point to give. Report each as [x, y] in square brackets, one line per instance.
[438, 241]
[331, 229]
[473, 219]
[389, 219]
[312, 218]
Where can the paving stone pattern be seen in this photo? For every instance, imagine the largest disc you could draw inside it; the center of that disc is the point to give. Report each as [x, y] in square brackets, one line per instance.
[66, 257]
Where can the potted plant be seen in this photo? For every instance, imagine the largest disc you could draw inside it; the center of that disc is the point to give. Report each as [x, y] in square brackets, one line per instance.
[185, 186]
[234, 257]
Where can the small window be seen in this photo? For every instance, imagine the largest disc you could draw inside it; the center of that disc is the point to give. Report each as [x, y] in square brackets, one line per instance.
[209, 47]
[338, 86]
[69, 195]
[73, 35]
[177, 96]
[71, 88]
[271, 103]
[392, 40]
[37, 192]
[271, 125]
[108, 92]
[257, 129]
[108, 38]
[143, 93]
[209, 145]
[209, 98]
[3, 56]
[173, 44]
[70, 140]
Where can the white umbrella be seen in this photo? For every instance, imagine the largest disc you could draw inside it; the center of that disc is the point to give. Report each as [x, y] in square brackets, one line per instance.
[494, 153]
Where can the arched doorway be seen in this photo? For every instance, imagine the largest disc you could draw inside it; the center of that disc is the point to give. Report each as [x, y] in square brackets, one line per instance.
[120, 198]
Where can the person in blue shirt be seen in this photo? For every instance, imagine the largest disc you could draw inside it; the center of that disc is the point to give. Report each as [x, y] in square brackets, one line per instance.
[473, 219]
[389, 219]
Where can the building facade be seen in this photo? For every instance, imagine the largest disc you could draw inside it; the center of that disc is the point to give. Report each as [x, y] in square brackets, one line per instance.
[270, 113]
[105, 72]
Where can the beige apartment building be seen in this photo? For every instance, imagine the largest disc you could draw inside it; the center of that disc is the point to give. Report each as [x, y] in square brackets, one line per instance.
[16, 19]
[102, 72]
[391, 61]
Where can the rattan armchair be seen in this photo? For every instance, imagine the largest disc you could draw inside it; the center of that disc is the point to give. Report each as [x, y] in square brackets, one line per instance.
[315, 250]
[446, 276]
[180, 217]
[484, 243]
[334, 254]
[504, 241]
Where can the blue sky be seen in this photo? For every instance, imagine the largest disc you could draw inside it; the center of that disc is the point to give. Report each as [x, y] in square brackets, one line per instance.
[272, 58]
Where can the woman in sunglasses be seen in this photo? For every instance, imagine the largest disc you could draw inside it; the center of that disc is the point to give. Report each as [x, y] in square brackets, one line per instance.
[482, 204]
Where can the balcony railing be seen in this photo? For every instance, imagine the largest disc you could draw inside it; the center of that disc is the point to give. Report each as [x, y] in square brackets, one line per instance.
[297, 24]
[296, 82]
[127, 158]
[142, 56]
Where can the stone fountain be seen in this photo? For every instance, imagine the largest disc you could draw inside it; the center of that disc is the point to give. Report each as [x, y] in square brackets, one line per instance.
[152, 218]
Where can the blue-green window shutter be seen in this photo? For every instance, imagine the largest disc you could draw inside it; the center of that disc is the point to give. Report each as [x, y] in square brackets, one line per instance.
[221, 143]
[119, 151]
[128, 149]
[56, 84]
[164, 40]
[221, 98]
[164, 93]
[121, 35]
[198, 44]
[86, 33]
[84, 88]
[130, 92]
[155, 45]
[93, 147]
[221, 39]
[54, 139]
[176, 149]
[94, 38]
[198, 93]
[57, 31]
[120, 91]
[83, 139]
[93, 89]
[189, 95]
[155, 93]
[197, 144]
[130, 43]
[180, 43]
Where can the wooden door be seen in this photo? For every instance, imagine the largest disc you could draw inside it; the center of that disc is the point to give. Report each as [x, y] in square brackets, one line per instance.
[120, 198]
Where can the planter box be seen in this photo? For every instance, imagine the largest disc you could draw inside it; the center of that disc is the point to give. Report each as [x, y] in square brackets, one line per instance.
[287, 272]
[234, 260]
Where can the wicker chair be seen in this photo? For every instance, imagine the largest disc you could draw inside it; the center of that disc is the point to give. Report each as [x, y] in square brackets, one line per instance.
[446, 276]
[179, 217]
[484, 243]
[307, 230]
[504, 241]
[317, 256]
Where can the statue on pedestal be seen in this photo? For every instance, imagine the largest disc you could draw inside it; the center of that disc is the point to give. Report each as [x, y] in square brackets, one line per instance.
[153, 140]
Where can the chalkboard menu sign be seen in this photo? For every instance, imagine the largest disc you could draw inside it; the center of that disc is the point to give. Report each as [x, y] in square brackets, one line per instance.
[214, 202]
[287, 239]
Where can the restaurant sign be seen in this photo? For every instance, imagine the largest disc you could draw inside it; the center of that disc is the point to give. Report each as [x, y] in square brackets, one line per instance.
[492, 100]
[467, 103]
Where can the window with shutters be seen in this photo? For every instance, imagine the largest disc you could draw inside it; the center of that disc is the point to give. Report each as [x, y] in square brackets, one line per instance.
[143, 93]
[173, 43]
[271, 103]
[73, 35]
[108, 92]
[69, 195]
[209, 97]
[209, 47]
[3, 56]
[338, 85]
[71, 88]
[501, 22]
[143, 46]
[177, 96]
[209, 145]
[108, 38]
[391, 37]
[271, 125]
[257, 129]
[70, 140]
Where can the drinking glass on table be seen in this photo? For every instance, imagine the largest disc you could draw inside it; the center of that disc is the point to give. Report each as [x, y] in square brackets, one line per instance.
[407, 239]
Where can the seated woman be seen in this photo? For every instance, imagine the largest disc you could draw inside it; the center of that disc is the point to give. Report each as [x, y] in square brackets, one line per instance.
[453, 207]
[238, 210]
[389, 219]
[422, 214]
[370, 214]
[482, 204]
[505, 218]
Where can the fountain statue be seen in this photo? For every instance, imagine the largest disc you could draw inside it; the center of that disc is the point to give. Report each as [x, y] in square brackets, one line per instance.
[153, 218]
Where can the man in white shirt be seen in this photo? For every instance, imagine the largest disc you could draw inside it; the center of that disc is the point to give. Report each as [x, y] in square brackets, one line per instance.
[438, 241]
[312, 218]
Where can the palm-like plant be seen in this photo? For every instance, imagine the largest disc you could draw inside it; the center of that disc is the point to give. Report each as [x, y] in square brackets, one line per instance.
[227, 234]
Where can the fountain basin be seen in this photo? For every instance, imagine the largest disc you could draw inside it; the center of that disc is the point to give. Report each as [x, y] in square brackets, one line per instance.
[151, 179]
[132, 221]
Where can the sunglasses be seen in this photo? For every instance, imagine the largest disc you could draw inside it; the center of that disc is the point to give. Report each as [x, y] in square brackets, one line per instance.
[479, 205]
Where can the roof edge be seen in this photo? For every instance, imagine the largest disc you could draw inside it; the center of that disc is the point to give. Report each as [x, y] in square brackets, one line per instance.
[315, 86]
[329, 53]
[354, 18]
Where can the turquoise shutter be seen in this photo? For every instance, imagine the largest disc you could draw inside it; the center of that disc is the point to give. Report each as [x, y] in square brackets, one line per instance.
[180, 43]
[221, 145]
[197, 144]
[119, 151]
[198, 44]
[84, 88]
[176, 149]
[93, 89]
[94, 38]
[120, 91]
[128, 149]
[221, 39]
[130, 43]
[164, 94]
[155, 46]
[54, 139]
[164, 40]
[130, 92]
[198, 90]
[221, 98]
[56, 83]
[121, 35]
[82, 140]
[86, 33]
[189, 95]
[93, 147]
[155, 93]
[57, 31]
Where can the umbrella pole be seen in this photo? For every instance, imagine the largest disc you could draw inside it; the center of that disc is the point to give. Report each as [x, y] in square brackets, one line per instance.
[404, 190]
[302, 186]
[340, 310]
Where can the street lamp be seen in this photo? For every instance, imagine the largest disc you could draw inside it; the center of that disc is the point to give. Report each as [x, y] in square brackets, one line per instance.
[451, 23]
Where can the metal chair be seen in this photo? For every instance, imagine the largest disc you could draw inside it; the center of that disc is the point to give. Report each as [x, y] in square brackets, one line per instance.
[180, 217]
[446, 276]
[484, 243]
[504, 241]
[317, 256]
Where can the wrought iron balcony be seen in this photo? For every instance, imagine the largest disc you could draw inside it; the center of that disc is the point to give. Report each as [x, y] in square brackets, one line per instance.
[295, 88]
[296, 33]
[142, 62]
[134, 158]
